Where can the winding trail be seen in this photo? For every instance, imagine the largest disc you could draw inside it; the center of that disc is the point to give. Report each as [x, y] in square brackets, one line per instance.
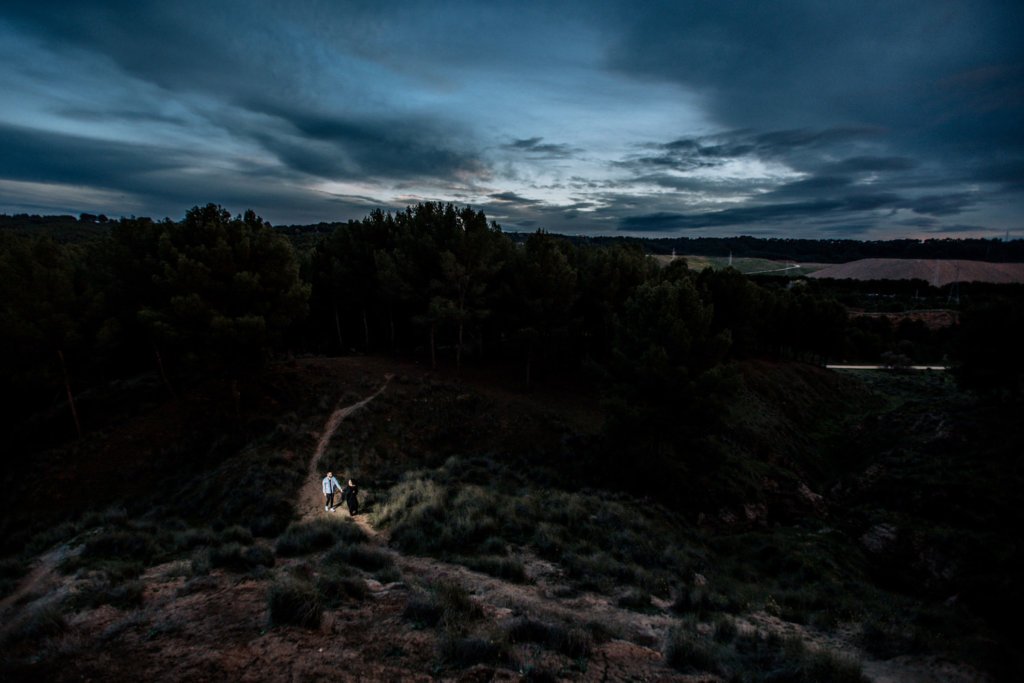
[310, 495]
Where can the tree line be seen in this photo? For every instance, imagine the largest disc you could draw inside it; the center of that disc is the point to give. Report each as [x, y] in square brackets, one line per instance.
[216, 294]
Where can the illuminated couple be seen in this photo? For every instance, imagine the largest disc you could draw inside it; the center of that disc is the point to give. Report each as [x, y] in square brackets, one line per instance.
[349, 494]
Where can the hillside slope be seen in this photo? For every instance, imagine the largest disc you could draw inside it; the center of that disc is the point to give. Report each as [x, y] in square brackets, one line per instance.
[484, 552]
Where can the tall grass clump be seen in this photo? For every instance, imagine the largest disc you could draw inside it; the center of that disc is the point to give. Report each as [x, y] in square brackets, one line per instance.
[41, 621]
[364, 557]
[11, 571]
[570, 641]
[687, 652]
[98, 589]
[337, 585]
[238, 558]
[754, 657]
[507, 568]
[320, 534]
[295, 602]
[446, 604]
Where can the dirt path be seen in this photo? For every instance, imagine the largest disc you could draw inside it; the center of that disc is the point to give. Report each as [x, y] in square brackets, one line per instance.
[310, 495]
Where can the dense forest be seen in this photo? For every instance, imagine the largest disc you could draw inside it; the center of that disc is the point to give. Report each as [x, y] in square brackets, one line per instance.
[92, 300]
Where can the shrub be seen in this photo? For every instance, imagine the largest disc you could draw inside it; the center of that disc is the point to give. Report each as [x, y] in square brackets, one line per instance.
[788, 659]
[99, 590]
[495, 545]
[191, 538]
[887, 639]
[338, 584]
[293, 601]
[687, 652]
[269, 524]
[196, 584]
[200, 564]
[12, 569]
[364, 557]
[236, 534]
[120, 544]
[388, 575]
[725, 630]
[447, 603]
[827, 666]
[320, 534]
[636, 599]
[572, 642]
[422, 610]
[697, 601]
[457, 607]
[506, 568]
[465, 652]
[43, 621]
[237, 558]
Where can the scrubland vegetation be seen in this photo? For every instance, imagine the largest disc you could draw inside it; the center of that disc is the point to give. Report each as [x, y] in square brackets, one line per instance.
[655, 449]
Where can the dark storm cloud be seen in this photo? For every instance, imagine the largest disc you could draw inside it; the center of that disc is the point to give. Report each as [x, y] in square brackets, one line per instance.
[40, 156]
[339, 147]
[868, 163]
[1009, 174]
[842, 208]
[537, 146]
[204, 52]
[160, 178]
[919, 222]
[513, 198]
[930, 79]
[176, 46]
[804, 149]
[800, 62]
[942, 204]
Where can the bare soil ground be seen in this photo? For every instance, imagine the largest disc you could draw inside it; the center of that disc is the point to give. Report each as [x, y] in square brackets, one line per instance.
[935, 272]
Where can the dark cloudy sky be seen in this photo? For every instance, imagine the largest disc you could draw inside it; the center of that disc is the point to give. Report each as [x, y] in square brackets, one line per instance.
[858, 118]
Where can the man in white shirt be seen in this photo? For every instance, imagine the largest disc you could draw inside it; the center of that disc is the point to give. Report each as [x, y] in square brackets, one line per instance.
[330, 486]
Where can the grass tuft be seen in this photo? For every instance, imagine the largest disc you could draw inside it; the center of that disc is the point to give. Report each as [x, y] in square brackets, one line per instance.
[572, 642]
[237, 558]
[295, 602]
[337, 586]
[40, 622]
[320, 534]
[507, 568]
[364, 557]
[98, 590]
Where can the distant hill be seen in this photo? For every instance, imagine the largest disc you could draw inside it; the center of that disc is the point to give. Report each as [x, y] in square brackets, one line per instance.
[935, 272]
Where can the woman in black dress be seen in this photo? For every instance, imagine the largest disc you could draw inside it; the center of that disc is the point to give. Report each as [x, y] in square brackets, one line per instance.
[349, 496]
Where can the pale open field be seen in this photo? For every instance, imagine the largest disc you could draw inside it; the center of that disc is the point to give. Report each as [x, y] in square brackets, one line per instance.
[936, 272]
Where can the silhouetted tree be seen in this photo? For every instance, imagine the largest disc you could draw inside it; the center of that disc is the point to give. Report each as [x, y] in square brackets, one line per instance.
[45, 303]
[225, 288]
